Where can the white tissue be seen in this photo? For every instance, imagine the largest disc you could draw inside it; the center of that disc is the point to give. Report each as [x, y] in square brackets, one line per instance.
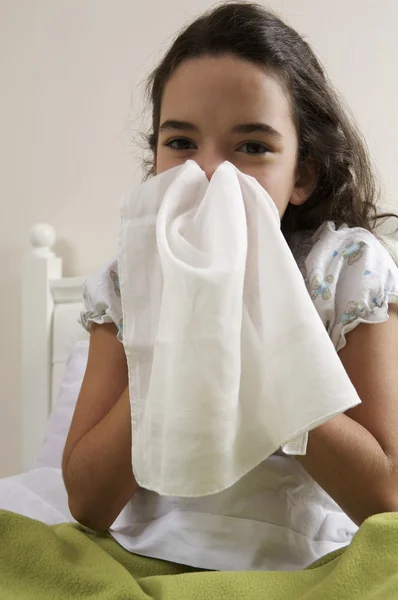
[228, 359]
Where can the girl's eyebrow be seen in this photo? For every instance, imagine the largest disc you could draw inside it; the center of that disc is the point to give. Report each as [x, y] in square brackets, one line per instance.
[172, 124]
[179, 125]
[256, 127]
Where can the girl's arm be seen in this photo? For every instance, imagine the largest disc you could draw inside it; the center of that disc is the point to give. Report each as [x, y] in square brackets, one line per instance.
[96, 463]
[354, 456]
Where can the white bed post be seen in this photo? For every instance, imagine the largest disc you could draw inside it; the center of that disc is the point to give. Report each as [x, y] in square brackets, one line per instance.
[39, 267]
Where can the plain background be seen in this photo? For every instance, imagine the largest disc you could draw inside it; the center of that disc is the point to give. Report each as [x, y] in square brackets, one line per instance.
[71, 113]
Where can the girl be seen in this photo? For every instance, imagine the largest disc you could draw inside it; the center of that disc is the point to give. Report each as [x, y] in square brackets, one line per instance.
[240, 85]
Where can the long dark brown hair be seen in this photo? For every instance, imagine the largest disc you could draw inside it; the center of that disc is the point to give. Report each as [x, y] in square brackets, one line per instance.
[346, 191]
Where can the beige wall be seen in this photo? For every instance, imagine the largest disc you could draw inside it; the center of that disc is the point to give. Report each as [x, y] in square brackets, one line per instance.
[68, 69]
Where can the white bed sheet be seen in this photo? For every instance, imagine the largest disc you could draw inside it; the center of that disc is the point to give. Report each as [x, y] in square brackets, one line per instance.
[39, 494]
[67, 331]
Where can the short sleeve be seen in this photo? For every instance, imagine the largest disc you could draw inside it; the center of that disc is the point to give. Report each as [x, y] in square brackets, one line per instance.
[102, 302]
[351, 277]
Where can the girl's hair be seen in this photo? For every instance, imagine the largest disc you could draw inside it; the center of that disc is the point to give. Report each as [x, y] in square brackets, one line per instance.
[346, 189]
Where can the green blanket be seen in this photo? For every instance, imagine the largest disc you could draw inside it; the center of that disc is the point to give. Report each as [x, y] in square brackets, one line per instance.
[68, 561]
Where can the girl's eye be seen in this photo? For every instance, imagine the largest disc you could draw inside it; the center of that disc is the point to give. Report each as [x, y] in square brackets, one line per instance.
[253, 148]
[180, 144]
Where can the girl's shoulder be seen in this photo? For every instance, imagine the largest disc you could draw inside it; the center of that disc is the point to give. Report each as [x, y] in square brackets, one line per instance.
[348, 249]
[350, 274]
[101, 294]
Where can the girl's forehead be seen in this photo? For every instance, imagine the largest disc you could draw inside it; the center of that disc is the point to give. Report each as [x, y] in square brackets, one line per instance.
[224, 87]
[223, 74]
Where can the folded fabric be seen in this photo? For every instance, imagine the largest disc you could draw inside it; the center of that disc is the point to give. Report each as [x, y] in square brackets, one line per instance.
[228, 359]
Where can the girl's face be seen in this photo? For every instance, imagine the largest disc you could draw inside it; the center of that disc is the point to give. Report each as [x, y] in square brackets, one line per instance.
[225, 108]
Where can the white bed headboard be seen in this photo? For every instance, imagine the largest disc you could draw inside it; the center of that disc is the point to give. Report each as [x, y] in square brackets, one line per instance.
[50, 307]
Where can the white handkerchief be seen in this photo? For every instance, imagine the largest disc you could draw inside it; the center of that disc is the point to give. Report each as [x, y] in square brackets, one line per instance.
[228, 359]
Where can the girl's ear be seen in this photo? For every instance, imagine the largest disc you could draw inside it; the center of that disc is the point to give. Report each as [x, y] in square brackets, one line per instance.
[306, 181]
